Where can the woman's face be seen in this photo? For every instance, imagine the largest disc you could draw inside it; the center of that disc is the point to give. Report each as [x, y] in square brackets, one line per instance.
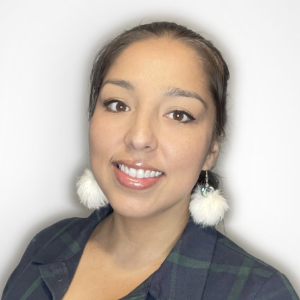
[151, 131]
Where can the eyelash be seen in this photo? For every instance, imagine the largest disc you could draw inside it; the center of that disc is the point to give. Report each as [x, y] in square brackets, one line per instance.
[108, 103]
[189, 117]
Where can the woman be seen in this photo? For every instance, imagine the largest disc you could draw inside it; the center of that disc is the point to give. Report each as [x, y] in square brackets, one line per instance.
[157, 118]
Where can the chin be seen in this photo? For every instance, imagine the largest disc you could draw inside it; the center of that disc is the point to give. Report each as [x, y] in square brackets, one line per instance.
[132, 209]
[144, 208]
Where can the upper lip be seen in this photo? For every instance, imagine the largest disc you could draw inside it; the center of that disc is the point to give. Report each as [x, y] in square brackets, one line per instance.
[136, 165]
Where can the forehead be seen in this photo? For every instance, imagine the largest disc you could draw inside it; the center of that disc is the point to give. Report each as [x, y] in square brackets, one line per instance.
[162, 61]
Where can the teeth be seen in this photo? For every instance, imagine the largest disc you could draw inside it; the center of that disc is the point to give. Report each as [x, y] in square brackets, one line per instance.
[140, 173]
[132, 172]
[126, 170]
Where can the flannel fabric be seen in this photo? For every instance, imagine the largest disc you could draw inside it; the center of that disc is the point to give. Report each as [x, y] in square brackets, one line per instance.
[204, 264]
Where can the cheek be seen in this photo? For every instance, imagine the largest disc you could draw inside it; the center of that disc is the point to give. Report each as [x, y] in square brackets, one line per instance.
[101, 132]
[188, 153]
[98, 149]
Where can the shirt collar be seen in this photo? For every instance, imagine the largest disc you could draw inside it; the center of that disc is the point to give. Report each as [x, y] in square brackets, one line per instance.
[65, 243]
[182, 275]
[184, 272]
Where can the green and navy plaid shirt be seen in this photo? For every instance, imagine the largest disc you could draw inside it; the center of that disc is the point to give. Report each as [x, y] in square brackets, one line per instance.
[204, 264]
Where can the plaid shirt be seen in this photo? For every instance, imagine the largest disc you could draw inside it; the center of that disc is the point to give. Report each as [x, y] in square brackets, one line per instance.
[204, 264]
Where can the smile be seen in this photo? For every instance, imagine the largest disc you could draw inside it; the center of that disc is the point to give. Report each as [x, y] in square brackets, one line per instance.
[138, 173]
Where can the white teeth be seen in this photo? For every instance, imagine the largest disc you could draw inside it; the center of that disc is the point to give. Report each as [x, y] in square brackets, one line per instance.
[140, 173]
[132, 172]
[126, 170]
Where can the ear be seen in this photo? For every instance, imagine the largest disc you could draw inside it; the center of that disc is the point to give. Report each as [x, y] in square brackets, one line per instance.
[212, 155]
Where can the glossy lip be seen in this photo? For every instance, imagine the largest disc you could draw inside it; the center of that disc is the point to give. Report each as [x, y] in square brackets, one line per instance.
[134, 182]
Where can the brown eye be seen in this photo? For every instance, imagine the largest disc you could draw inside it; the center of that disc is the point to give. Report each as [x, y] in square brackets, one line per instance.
[120, 106]
[180, 116]
[116, 106]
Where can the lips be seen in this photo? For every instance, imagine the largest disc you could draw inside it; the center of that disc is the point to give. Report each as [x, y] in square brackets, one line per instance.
[136, 175]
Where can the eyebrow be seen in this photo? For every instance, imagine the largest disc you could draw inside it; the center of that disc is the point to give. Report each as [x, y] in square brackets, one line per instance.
[176, 92]
[122, 83]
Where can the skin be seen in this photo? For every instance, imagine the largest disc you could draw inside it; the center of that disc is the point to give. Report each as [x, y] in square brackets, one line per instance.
[135, 124]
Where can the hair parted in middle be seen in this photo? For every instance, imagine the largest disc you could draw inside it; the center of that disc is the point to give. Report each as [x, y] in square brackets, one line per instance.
[213, 63]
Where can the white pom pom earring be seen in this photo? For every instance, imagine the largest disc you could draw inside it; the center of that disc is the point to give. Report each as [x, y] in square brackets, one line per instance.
[89, 192]
[207, 205]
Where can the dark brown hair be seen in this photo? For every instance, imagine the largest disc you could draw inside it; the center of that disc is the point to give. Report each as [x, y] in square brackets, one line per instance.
[213, 63]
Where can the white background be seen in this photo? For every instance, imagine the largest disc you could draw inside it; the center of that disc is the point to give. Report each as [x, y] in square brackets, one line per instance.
[46, 52]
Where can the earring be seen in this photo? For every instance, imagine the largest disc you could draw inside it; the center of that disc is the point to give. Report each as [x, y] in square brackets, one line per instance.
[89, 192]
[207, 206]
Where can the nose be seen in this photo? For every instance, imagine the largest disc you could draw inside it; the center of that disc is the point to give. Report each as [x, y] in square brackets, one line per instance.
[142, 131]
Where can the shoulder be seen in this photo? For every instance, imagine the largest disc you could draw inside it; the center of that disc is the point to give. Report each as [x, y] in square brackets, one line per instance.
[227, 250]
[51, 247]
[245, 276]
[50, 233]
[40, 242]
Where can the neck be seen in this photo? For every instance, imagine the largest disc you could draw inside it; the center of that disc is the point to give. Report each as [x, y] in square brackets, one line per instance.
[149, 238]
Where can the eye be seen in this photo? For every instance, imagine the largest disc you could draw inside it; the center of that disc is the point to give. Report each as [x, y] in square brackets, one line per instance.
[180, 116]
[115, 106]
